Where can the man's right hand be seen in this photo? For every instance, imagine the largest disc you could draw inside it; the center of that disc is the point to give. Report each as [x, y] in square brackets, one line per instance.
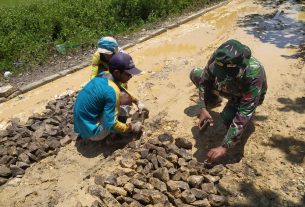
[204, 119]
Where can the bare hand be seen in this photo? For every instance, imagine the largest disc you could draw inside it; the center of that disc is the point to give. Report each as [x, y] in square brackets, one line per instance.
[216, 153]
[204, 119]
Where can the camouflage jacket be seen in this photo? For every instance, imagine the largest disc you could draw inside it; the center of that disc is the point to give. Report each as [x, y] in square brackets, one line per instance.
[248, 88]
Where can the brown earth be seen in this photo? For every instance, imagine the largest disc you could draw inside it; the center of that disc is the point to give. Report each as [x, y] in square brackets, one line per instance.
[271, 171]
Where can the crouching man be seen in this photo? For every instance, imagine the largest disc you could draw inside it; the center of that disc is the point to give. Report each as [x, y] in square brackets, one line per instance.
[102, 106]
[234, 73]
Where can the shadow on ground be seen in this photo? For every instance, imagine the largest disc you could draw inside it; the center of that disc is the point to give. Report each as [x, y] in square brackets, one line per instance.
[297, 105]
[277, 28]
[92, 149]
[213, 136]
[263, 198]
[292, 147]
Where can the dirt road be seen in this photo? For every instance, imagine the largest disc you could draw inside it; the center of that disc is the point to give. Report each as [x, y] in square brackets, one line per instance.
[271, 173]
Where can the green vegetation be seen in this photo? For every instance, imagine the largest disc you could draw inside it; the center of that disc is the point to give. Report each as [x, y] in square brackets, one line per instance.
[31, 31]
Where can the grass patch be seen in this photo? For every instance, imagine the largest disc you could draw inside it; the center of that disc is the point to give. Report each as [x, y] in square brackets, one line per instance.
[31, 30]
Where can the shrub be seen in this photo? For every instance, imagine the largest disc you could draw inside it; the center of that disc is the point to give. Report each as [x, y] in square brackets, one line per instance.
[30, 32]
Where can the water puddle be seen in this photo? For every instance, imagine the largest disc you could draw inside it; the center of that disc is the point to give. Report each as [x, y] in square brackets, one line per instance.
[284, 27]
[180, 49]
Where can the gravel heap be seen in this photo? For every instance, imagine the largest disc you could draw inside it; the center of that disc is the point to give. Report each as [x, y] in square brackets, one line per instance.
[41, 136]
[159, 173]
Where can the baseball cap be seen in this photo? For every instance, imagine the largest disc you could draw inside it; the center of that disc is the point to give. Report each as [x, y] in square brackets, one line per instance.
[123, 62]
[107, 45]
[230, 57]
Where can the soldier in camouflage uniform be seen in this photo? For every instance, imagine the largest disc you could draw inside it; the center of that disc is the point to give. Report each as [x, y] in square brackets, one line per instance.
[231, 72]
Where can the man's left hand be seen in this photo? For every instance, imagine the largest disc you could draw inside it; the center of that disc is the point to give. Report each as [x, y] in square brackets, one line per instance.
[216, 153]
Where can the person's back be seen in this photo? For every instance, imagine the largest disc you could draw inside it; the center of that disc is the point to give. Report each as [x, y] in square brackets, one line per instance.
[99, 96]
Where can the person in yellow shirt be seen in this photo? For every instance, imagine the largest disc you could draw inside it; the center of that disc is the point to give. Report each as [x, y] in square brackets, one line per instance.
[106, 48]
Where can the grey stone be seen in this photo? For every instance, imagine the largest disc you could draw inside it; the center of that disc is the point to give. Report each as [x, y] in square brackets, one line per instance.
[32, 157]
[12, 150]
[144, 199]
[7, 90]
[116, 190]
[97, 203]
[5, 171]
[217, 200]
[172, 158]
[5, 159]
[185, 154]
[111, 179]
[164, 162]
[22, 165]
[111, 201]
[135, 204]
[209, 188]
[54, 144]
[183, 185]
[172, 185]
[140, 177]
[40, 154]
[183, 143]
[122, 199]
[3, 180]
[187, 196]
[172, 171]
[210, 178]
[16, 170]
[66, 140]
[148, 168]
[138, 183]
[154, 161]
[216, 170]
[162, 174]
[202, 203]
[127, 162]
[3, 99]
[195, 180]
[199, 194]
[24, 158]
[129, 187]
[158, 184]
[158, 198]
[182, 162]
[142, 162]
[144, 153]
[122, 180]
[154, 141]
[166, 137]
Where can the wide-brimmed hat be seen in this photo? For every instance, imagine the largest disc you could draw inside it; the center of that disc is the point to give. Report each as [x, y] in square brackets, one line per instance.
[230, 57]
[122, 61]
[107, 45]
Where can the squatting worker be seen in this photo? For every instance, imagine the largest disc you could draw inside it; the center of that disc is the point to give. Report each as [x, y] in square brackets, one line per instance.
[234, 73]
[106, 48]
[97, 106]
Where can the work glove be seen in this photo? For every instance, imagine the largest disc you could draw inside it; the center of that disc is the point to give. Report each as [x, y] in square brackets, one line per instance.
[141, 107]
[136, 127]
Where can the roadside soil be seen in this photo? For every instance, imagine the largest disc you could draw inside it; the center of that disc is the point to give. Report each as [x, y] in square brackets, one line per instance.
[60, 62]
[269, 170]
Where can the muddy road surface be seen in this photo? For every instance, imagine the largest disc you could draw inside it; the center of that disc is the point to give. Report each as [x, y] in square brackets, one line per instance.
[271, 171]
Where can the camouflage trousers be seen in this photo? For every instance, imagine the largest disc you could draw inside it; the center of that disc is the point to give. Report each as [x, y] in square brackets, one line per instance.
[213, 98]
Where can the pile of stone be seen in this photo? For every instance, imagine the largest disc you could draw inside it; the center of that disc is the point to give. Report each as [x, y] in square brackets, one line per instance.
[40, 137]
[159, 173]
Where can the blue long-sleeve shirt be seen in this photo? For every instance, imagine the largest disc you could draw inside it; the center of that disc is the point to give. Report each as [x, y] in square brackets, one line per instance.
[96, 107]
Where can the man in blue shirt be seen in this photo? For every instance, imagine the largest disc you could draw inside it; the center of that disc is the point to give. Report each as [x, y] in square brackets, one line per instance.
[97, 106]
